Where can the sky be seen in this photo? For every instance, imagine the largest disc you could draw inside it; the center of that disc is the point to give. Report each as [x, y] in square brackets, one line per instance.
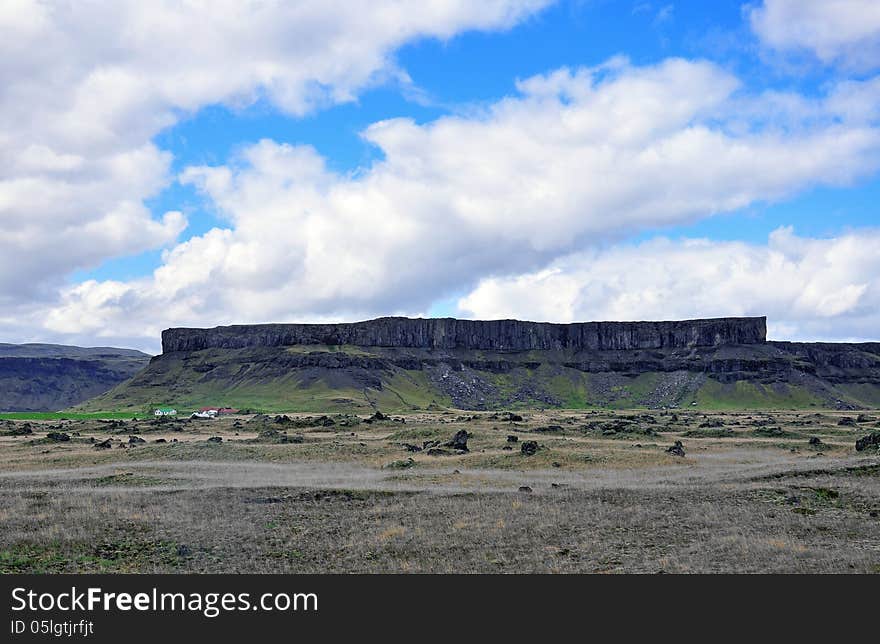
[207, 163]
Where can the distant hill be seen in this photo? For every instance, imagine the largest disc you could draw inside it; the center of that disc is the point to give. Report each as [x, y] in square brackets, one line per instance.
[51, 377]
[401, 364]
[37, 350]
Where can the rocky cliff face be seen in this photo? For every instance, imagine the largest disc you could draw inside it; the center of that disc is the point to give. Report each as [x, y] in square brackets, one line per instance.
[410, 364]
[43, 377]
[495, 335]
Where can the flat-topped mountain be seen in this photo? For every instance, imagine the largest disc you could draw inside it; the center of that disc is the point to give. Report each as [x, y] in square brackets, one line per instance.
[494, 335]
[51, 377]
[407, 364]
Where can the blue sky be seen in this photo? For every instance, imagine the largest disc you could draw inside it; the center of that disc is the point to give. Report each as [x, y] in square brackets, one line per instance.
[331, 164]
[476, 67]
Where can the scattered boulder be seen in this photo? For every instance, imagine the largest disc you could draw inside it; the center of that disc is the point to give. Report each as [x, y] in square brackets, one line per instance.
[436, 451]
[712, 422]
[307, 421]
[135, 440]
[529, 448]
[507, 416]
[215, 439]
[410, 447]
[815, 441]
[58, 437]
[864, 418]
[525, 488]
[549, 429]
[512, 438]
[105, 444]
[846, 421]
[377, 417]
[19, 430]
[869, 441]
[274, 436]
[459, 441]
[676, 450]
[621, 426]
[616, 425]
[160, 440]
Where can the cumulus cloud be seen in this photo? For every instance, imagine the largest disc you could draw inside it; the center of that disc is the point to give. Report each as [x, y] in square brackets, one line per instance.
[84, 87]
[845, 32]
[579, 157]
[809, 288]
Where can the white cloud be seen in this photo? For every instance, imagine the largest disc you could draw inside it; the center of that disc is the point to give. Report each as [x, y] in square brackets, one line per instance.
[845, 32]
[580, 157]
[84, 87]
[809, 288]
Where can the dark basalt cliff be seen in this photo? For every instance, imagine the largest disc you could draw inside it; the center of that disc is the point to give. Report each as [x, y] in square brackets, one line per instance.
[45, 377]
[408, 364]
[495, 335]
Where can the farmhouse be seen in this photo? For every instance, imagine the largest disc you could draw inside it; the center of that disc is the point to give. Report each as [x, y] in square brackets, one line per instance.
[165, 411]
[218, 410]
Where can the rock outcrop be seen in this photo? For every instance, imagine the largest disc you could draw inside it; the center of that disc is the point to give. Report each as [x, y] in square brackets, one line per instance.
[495, 335]
[43, 377]
[407, 364]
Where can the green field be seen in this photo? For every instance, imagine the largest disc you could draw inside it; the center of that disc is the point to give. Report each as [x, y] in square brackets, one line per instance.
[67, 415]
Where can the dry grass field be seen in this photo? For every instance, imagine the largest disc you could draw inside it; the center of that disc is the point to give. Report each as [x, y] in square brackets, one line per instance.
[601, 493]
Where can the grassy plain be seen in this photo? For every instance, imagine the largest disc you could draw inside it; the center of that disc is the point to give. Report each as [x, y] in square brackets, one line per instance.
[314, 493]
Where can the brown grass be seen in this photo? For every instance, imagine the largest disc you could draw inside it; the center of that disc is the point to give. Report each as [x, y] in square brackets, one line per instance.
[599, 503]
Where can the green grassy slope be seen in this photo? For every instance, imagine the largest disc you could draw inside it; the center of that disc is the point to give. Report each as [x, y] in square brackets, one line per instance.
[253, 380]
[357, 379]
[751, 395]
